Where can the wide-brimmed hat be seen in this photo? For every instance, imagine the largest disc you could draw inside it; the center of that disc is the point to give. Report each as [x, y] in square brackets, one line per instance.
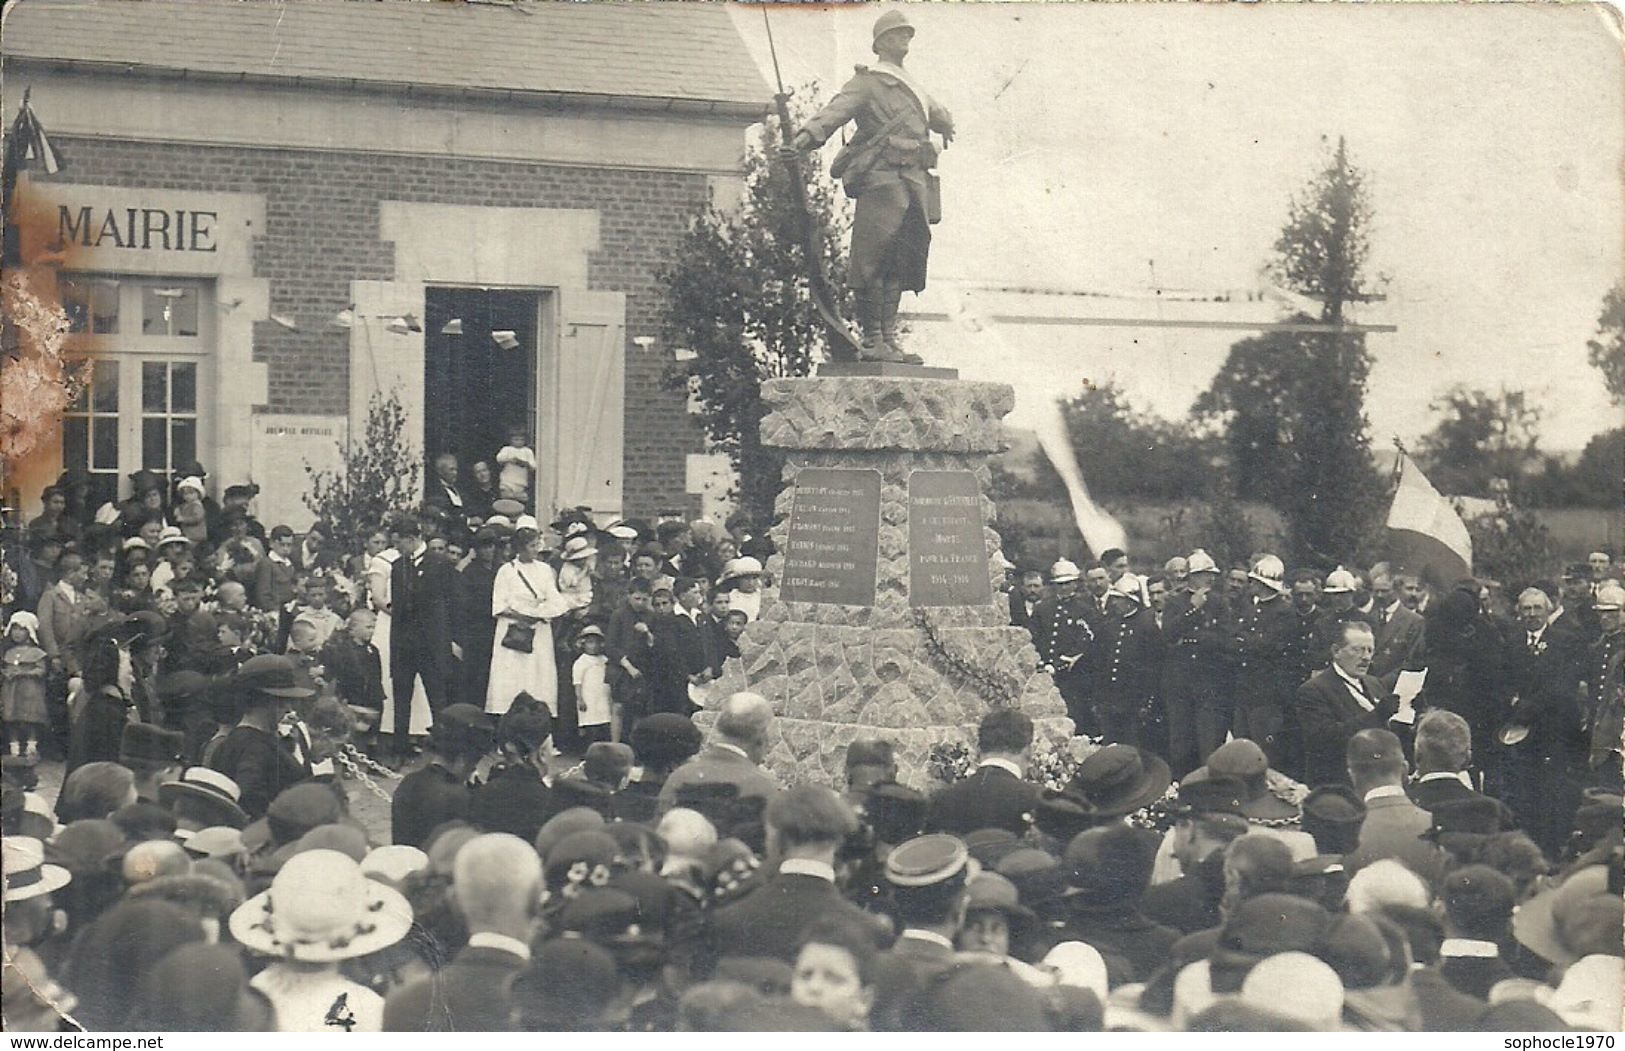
[1610, 596]
[576, 549]
[271, 674]
[1120, 779]
[1063, 814]
[1332, 815]
[1064, 571]
[1109, 864]
[321, 908]
[1269, 571]
[1259, 928]
[216, 841]
[621, 531]
[194, 483]
[173, 535]
[392, 864]
[135, 543]
[210, 788]
[1547, 922]
[26, 873]
[744, 566]
[147, 744]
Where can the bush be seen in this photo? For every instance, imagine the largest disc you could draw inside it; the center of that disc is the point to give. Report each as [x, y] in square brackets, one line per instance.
[378, 476]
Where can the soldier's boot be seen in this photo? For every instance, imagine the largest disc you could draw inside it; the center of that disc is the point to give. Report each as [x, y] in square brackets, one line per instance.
[891, 299]
[872, 346]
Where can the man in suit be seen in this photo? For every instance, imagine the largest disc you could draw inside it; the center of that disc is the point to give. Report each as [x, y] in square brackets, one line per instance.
[1544, 664]
[1393, 825]
[476, 627]
[1444, 751]
[1108, 869]
[1398, 632]
[805, 827]
[928, 877]
[1207, 820]
[61, 620]
[440, 492]
[423, 606]
[1478, 904]
[695, 645]
[1339, 701]
[997, 794]
[1024, 599]
[1062, 633]
[737, 746]
[496, 883]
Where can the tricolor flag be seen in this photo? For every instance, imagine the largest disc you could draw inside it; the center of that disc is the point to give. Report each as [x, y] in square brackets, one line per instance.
[29, 143]
[1425, 534]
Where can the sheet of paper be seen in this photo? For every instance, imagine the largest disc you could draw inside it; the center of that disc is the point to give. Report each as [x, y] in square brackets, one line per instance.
[1407, 687]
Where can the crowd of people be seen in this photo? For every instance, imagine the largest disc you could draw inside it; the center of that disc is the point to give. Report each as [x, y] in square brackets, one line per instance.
[1251, 804]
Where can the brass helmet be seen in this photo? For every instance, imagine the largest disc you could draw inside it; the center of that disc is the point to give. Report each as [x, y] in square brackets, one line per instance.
[889, 21]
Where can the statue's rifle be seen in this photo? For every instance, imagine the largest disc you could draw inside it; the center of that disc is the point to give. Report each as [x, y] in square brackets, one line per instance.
[842, 347]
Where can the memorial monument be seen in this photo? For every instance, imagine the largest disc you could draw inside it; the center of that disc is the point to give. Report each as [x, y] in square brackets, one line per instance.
[884, 618]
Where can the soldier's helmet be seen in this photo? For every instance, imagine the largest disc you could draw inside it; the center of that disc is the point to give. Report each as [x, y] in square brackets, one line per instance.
[890, 21]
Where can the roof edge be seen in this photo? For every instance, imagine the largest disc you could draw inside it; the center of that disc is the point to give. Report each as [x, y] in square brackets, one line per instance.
[559, 100]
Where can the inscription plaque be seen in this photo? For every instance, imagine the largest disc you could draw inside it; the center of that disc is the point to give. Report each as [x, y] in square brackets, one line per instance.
[833, 538]
[947, 551]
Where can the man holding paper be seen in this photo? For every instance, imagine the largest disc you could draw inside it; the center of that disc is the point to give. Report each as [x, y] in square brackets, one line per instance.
[1340, 701]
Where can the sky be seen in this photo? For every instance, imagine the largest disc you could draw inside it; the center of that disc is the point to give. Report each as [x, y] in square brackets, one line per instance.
[1134, 147]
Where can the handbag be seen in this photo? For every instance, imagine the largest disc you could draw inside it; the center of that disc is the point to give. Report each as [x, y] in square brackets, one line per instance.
[521, 637]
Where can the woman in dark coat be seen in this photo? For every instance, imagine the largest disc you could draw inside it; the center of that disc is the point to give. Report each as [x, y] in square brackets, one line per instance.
[1465, 658]
[103, 708]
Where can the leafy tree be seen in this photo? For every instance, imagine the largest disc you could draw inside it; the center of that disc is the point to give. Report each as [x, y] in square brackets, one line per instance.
[1606, 349]
[377, 476]
[1127, 452]
[736, 295]
[1511, 543]
[1600, 473]
[1291, 404]
[1480, 437]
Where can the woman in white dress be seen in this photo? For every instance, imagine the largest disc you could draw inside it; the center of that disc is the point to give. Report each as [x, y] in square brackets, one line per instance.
[525, 593]
[379, 568]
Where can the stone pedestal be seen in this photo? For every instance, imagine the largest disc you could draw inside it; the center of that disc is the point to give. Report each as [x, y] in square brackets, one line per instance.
[916, 675]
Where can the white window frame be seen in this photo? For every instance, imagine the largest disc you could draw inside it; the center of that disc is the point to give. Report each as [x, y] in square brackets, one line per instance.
[129, 348]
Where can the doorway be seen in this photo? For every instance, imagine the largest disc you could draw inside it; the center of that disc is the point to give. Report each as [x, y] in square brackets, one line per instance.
[478, 381]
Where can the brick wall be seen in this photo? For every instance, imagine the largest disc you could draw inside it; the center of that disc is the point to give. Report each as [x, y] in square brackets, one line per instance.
[321, 212]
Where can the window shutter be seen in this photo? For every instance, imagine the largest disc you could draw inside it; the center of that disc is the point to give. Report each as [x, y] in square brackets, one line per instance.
[591, 399]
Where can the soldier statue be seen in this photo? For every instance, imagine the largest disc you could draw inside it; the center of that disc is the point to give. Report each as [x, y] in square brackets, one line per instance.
[888, 169]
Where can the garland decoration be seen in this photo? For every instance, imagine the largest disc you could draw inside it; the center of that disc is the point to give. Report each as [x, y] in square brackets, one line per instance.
[993, 684]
